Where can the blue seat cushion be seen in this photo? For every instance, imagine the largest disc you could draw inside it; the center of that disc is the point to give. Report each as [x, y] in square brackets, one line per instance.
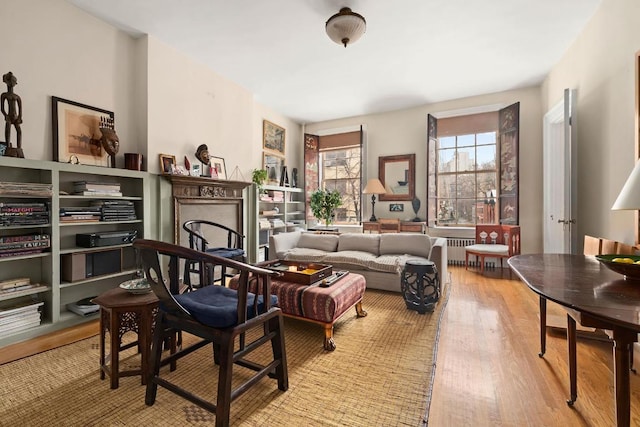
[217, 306]
[225, 252]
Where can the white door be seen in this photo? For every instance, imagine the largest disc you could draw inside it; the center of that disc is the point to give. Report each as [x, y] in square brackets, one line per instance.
[560, 176]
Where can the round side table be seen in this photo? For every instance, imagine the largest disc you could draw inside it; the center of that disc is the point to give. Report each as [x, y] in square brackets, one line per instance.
[420, 285]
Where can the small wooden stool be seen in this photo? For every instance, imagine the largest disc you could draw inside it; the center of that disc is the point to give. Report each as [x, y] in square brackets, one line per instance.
[121, 312]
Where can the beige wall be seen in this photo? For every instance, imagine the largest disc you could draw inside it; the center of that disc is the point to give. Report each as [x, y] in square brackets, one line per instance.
[404, 132]
[600, 65]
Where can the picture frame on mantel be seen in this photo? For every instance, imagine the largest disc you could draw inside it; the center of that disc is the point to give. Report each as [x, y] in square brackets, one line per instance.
[218, 168]
[167, 163]
[273, 137]
[76, 132]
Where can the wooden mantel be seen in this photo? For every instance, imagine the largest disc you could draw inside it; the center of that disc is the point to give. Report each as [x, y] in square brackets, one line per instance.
[215, 200]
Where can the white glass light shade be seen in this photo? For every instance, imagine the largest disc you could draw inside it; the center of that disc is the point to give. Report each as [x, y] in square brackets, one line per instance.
[629, 197]
[345, 27]
[374, 186]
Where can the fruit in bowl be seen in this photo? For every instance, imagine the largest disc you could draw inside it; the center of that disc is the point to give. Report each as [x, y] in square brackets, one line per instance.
[627, 265]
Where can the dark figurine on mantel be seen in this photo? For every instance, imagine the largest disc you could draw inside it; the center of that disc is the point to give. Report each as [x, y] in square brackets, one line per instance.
[202, 154]
[12, 112]
[110, 141]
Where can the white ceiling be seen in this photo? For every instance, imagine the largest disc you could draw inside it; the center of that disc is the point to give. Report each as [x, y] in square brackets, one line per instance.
[414, 52]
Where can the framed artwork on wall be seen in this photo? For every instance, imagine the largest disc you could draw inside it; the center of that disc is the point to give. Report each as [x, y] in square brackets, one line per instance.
[76, 132]
[273, 165]
[273, 137]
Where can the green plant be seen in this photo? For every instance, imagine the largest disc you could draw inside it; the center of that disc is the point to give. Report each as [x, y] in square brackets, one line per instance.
[259, 176]
[324, 203]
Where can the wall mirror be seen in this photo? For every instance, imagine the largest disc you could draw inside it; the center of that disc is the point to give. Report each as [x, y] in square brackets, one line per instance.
[398, 175]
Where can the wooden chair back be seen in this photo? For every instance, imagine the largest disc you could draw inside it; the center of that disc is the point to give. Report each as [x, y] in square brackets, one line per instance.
[497, 234]
[600, 246]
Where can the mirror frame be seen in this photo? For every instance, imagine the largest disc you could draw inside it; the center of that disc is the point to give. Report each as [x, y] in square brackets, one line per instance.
[382, 164]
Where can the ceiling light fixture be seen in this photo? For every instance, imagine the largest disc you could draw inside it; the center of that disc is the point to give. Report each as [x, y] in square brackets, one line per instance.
[345, 27]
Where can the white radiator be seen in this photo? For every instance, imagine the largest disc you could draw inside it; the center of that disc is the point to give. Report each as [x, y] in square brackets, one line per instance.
[455, 252]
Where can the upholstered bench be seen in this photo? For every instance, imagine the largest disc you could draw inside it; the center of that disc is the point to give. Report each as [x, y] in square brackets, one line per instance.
[494, 241]
[319, 305]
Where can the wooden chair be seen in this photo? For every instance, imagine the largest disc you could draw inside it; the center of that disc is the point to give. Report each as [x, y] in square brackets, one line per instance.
[201, 232]
[218, 315]
[389, 225]
[494, 241]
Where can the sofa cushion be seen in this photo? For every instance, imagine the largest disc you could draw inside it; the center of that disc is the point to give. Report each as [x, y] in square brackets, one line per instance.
[391, 263]
[360, 242]
[405, 243]
[323, 242]
[349, 259]
[305, 255]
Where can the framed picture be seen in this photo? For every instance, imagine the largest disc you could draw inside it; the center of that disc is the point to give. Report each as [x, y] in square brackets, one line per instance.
[273, 165]
[167, 163]
[272, 137]
[218, 168]
[396, 207]
[76, 132]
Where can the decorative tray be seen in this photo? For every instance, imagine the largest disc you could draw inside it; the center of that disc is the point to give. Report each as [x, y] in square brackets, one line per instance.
[627, 265]
[136, 286]
[304, 273]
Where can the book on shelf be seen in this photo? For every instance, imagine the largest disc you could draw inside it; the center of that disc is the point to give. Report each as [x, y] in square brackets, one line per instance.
[99, 193]
[80, 218]
[20, 307]
[96, 186]
[30, 244]
[26, 189]
[24, 238]
[12, 283]
[16, 253]
[23, 291]
[83, 307]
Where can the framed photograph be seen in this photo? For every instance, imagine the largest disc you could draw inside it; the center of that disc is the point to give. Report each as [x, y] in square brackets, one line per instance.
[273, 165]
[218, 168]
[396, 207]
[273, 137]
[167, 163]
[76, 132]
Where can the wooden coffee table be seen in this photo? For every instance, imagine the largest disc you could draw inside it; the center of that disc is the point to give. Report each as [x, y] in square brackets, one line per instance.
[321, 305]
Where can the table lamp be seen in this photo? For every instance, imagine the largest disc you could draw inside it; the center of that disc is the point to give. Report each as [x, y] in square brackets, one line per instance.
[629, 197]
[373, 187]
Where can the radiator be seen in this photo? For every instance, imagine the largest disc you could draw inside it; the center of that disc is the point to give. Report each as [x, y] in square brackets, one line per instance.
[456, 256]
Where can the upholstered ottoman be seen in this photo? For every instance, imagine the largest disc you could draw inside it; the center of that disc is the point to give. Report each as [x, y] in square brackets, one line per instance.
[317, 304]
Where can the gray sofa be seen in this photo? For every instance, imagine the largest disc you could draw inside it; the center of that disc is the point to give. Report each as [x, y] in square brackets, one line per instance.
[380, 258]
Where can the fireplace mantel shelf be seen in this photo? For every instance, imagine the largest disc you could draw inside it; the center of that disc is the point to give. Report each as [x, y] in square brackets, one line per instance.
[201, 187]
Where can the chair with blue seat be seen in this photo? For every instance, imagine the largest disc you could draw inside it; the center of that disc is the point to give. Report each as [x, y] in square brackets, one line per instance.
[201, 233]
[219, 316]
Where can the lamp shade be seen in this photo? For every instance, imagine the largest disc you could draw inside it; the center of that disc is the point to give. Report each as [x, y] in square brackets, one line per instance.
[629, 197]
[374, 186]
[345, 27]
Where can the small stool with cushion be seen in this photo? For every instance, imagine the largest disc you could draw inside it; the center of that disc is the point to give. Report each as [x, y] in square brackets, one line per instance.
[494, 241]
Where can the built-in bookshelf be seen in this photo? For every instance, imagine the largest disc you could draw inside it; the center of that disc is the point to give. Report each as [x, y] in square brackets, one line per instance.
[278, 210]
[62, 271]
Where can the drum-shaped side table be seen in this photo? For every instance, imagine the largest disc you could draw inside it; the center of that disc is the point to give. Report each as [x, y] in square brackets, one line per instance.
[420, 285]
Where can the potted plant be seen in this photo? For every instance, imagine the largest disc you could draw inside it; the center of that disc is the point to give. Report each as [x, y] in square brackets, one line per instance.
[324, 203]
[259, 176]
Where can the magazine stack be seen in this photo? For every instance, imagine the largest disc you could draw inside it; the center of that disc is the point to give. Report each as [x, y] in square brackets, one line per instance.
[97, 189]
[20, 316]
[16, 213]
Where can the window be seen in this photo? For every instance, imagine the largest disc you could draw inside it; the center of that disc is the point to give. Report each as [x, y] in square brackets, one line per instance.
[340, 170]
[472, 168]
[334, 162]
[467, 179]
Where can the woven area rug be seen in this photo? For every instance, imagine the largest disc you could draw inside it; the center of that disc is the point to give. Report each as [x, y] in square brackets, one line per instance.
[380, 374]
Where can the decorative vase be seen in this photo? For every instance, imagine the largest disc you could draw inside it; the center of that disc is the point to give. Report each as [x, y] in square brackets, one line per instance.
[415, 204]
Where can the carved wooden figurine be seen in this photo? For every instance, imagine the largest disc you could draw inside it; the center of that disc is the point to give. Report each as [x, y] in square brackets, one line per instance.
[110, 141]
[12, 112]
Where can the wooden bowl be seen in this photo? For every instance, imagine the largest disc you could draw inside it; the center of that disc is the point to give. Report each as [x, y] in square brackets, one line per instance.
[628, 270]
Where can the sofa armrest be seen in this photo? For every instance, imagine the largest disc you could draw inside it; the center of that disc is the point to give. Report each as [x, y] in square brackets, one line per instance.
[281, 243]
[438, 255]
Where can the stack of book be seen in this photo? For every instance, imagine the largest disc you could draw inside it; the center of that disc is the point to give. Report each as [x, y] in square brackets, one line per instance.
[116, 210]
[87, 188]
[18, 317]
[24, 244]
[277, 223]
[80, 214]
[276, 196]
[14, 213]
[264, 223]
[20, 286]
[26, 189]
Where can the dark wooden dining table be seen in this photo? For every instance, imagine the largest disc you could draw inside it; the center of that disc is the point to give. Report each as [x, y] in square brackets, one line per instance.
[600, 297]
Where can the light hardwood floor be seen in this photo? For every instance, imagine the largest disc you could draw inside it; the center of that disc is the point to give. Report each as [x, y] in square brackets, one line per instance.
[488, 372]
